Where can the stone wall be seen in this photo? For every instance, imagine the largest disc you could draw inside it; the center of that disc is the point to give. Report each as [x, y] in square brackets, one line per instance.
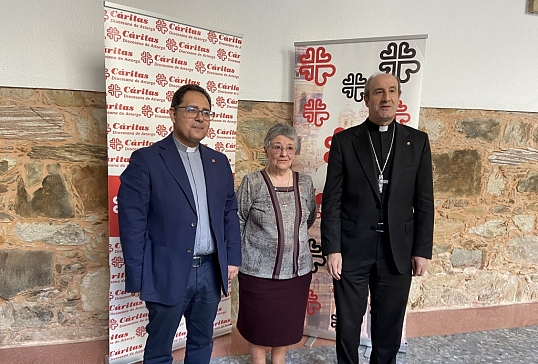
[486, 184]
[54, 218]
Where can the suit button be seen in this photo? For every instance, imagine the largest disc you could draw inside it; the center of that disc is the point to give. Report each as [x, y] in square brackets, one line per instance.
[189, 250]
[193, 224]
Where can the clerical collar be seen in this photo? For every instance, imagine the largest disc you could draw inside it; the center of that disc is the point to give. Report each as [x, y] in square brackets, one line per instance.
[379, 128]
[182, 147]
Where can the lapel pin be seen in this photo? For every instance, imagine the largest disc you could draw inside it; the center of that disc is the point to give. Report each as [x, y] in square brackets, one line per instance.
[408, 143]
[212, 160]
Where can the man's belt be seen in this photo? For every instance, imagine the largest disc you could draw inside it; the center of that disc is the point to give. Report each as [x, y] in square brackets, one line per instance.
[199, 260]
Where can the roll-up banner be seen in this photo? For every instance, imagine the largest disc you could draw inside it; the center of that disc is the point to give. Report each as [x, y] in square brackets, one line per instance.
[147, 58]
[328, 98]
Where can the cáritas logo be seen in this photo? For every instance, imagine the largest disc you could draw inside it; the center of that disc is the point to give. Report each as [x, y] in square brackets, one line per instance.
[118, 51]
[184, 29]
[128, 17]
[128, 73]
[134, 127]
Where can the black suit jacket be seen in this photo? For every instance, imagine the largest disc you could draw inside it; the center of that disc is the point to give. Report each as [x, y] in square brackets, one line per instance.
[351, 198]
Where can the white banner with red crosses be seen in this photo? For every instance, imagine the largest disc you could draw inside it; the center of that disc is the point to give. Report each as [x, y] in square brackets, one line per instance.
[147, 58]
[329, 97]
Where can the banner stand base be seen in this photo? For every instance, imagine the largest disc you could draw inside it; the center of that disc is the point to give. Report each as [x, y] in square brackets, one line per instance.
[367, 342]
[310, 341]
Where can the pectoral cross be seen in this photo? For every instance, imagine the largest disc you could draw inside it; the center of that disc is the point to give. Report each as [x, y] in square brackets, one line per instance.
[381, 181]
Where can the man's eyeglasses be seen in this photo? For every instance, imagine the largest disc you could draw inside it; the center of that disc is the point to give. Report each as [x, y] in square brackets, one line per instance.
[278, 149]
[192, 112]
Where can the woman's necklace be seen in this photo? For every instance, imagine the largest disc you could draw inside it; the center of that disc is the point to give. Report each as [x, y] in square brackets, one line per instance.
[273, 183]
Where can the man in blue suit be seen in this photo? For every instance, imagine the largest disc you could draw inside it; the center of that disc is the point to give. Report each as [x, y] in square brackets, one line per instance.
[179, 230]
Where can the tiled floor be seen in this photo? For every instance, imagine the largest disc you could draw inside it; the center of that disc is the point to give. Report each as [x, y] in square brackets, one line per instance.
[506, 346]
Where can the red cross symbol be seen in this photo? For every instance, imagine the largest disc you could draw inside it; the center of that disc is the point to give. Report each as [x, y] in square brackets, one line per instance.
[401, 115]
[316, 65]
[146, 58]
[212, 37]
[113, 324]
[113, 33]
[116, 144]
[117, 262]
[161, 130]
[211, 86]
[200, 66]
[313, 304]
[114, 90]
[161, 79]
[314, 112]
[147, 111]
[161, 26]
[221, 53]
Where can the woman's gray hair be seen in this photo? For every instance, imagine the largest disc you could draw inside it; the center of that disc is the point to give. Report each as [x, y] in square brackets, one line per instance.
[281, 129]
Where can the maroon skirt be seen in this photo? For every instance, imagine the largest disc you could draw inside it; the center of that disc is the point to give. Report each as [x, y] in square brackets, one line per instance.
[271, 311]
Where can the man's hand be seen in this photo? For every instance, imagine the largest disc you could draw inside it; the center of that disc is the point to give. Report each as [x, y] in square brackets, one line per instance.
[334, 265]
[419, 265]
[232, 272]
[135, 294]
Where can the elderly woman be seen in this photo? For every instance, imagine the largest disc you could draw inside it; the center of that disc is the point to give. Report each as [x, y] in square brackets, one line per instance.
[276, 208]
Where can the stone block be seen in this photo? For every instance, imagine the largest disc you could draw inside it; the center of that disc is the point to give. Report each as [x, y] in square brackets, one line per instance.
[10, 96]
[523, 249]
[94, 290]
[34, 172]
[500, 209]
[5, 217]
[458, 173]
[65, 98]
[525, 223]
[481, 281]
[440, 248]
[51, 200]
[517, 133]
[70, 152]
[489, 229]
[476, 128]
[91, 181]
[512, 289]
[90, 129]
[496, 183]
[446, 228]
[529, 183]
[491, 296]
[466, 258]
[7, 163]
[22, 270]
[479, 210]
[53, 234]
[434, 128]
[458, 216]
[513, 156]
[531, 206]
[34, 315]
[35, 123]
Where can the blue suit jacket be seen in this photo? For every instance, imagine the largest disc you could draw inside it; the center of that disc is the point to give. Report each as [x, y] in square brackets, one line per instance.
[157, 220]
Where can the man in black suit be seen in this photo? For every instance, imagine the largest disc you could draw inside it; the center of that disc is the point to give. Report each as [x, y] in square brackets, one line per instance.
[377, 222]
